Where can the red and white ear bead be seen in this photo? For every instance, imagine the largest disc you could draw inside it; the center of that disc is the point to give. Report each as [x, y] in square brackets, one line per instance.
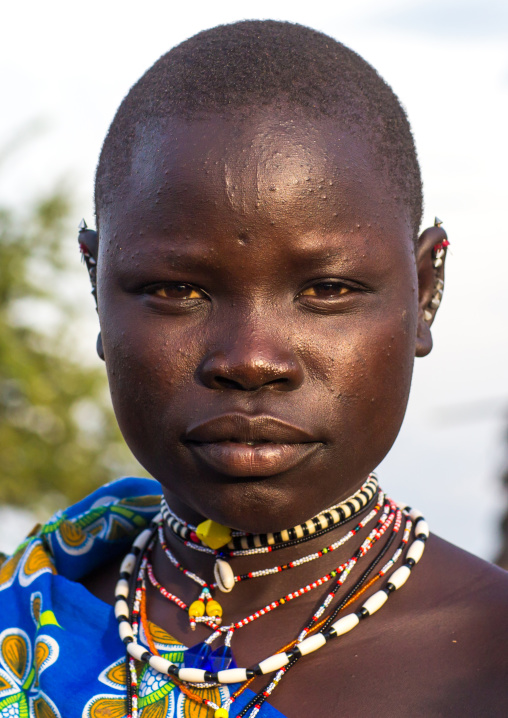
[438, 253]
[438, 294]
[440, 248]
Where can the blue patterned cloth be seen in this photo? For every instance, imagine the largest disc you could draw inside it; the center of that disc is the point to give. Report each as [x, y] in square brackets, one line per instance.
[60, 654]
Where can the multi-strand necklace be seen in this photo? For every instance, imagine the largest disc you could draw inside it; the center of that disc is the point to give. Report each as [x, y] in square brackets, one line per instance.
[223, 543]
[214, 622]
[205, 607]
[204, 667]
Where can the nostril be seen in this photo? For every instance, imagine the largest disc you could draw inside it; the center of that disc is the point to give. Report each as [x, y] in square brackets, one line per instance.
[281, 380]
[223, 383]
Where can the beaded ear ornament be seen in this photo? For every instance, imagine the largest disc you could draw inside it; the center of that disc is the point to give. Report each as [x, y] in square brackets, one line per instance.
[438, 255]
[88, 243]
[439, 251]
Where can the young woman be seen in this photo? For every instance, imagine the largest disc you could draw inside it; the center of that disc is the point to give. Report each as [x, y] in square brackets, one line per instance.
[263, 289]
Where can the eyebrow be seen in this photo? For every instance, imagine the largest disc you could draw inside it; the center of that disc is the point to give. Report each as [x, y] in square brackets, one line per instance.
[179, 255]
[323, 251]
[318, 245]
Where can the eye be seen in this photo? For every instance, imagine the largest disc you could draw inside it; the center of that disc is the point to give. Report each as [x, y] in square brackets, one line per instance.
[176, 290]
[326, 290]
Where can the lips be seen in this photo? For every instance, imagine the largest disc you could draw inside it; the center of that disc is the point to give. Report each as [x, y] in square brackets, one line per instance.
[239, 445]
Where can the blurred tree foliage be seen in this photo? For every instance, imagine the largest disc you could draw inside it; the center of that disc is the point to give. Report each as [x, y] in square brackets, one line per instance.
[58, 436]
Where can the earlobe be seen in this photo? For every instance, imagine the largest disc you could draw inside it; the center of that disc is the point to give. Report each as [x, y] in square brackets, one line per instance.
[423, 338]
[100, 348]
[430, 259]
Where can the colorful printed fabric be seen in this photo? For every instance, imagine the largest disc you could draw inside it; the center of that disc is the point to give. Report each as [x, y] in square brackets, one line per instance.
[60, 654]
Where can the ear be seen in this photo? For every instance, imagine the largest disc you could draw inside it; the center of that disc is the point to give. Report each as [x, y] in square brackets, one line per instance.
[430, 256]
[88, 241]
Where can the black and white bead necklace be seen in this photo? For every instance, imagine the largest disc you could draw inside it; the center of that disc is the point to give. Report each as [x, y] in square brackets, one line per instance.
[276, 661]
[237, 543]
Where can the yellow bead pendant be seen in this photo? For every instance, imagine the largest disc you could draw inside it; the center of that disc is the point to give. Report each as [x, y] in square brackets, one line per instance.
[214, 609]
[221, 713]
[197, 609]
[212, 534]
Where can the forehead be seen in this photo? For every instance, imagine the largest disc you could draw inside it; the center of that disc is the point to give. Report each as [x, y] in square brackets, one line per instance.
[268, 167]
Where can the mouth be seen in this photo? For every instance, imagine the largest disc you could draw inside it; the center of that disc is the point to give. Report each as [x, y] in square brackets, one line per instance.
[243, 446]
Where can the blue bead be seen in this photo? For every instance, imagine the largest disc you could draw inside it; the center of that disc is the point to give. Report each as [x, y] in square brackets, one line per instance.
[196, 656]
[221, 659]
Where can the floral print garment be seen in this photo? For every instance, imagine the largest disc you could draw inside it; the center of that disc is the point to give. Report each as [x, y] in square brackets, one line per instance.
[60, 654]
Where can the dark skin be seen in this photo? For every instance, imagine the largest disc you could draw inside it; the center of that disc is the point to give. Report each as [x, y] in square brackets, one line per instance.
[260, 267]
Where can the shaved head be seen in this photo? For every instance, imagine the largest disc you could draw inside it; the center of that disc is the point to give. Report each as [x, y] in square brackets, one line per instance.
[242, 67]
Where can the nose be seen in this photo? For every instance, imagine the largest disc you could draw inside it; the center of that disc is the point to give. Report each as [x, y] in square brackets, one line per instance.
[252, 360]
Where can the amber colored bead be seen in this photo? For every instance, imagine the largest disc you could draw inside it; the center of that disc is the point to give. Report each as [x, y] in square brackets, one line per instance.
[213, 608]
[197, 609]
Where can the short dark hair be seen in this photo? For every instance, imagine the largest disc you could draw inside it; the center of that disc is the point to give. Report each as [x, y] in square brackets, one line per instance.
[261, 63]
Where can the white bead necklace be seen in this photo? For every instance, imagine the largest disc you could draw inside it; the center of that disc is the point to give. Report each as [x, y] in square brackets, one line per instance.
[276, 661]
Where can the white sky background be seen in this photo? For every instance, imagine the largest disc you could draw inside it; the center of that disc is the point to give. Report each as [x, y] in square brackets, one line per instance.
[68, 65]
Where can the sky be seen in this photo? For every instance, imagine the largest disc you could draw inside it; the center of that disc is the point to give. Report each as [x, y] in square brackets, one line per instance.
[64, 68]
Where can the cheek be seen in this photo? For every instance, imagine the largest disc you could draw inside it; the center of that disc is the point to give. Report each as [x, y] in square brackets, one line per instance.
[367, 372]
[388, 379]
[148, 368]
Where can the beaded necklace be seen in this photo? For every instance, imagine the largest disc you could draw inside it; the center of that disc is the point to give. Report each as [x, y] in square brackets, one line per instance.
[255, 704]
[280, 662]
[225, 578]
[213, 617]
[262, 695]
[193, 653]
[238, 543]
[214, 536]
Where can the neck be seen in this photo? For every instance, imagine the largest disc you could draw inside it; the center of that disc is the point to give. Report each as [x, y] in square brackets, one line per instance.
[248, 522]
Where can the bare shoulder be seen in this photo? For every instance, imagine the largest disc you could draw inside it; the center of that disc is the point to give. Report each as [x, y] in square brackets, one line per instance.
[446, 632]
[103, 580]
[455, 610]
[456, 591]
[455, 577]
[438, 648]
